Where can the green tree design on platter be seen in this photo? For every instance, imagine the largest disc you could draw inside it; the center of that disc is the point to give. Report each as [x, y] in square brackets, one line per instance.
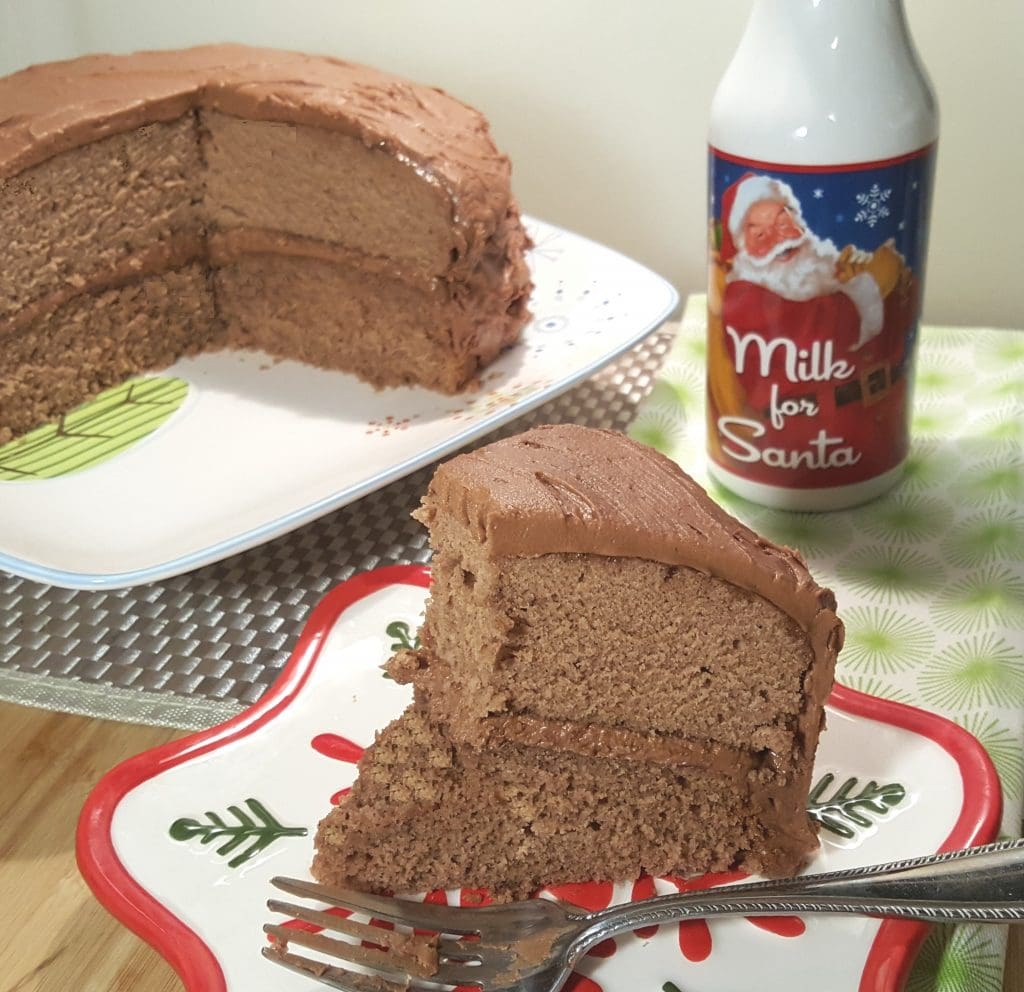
[966, 958]
[882, 641]
[997, 533]
[94, 432]
[983, 670]
[248, 831]
[851, 806]
[986, 597]
[403, 636]
[890, 574]
[1003, 748]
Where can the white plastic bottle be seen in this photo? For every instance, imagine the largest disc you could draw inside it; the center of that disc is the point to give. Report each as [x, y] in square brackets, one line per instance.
[822, 139]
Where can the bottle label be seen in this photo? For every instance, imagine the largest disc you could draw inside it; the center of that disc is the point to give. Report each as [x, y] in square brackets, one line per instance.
[814, 297]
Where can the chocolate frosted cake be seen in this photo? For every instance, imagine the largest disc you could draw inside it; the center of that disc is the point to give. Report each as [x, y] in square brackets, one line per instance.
[616, 677]
[162, 203]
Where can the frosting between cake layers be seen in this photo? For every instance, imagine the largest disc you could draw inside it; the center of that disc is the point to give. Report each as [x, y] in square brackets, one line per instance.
[619, 742]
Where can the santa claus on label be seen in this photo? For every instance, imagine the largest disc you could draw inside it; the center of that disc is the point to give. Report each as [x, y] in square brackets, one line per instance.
[808, 345]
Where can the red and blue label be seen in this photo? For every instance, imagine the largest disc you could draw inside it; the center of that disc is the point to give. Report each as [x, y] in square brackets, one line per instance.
[814, 301]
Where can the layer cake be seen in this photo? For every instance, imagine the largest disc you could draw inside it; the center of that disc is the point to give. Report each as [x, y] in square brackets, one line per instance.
[164, 203]
[615, 677]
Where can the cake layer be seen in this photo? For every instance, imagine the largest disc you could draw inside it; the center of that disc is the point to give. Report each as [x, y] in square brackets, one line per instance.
[613, 642]
[95, 341]
[426, 812]
[87, 214]
[328, 186]
[336, 317]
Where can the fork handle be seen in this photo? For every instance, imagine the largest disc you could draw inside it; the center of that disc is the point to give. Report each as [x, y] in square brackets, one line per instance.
[981, 885]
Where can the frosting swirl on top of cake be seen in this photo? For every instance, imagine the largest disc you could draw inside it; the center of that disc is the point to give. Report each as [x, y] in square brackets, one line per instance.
[50, 108]
[564, 488]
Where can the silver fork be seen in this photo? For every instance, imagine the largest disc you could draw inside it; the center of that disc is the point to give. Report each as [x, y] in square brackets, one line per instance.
[532, 946]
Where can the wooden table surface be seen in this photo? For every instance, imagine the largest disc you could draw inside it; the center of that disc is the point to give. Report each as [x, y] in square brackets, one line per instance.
[56, 937]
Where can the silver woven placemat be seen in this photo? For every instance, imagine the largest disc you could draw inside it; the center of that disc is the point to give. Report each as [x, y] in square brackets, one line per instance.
[193, 650]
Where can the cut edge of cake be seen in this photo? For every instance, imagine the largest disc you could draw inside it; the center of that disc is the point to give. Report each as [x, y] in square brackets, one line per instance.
[156, 126]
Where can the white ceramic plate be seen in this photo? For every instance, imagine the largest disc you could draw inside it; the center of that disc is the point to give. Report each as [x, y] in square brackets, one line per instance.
[151, 848]
[246, 449]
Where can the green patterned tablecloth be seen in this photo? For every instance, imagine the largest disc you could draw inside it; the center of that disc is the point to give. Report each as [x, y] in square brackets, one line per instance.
[929, 578]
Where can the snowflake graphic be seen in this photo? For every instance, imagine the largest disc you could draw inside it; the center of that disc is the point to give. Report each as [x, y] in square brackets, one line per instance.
[872, 204]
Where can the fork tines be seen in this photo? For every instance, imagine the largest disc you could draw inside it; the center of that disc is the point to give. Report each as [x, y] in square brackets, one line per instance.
[396, 958]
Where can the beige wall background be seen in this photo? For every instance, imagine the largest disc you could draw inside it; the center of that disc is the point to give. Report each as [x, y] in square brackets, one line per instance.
[603, 106]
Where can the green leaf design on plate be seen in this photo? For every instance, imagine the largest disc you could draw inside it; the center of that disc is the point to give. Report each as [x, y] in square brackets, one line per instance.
[997, 533]
[905, 516]
[991, 595]
[964, 958]
[95, 431]
[1003, 748]
[884, 641]
[981, 671]
[403, 636]
[258, 828]
[890, 574]
[848, 812]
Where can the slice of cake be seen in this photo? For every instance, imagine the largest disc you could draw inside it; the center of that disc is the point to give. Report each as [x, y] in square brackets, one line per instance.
[164, 203]
[616, 677]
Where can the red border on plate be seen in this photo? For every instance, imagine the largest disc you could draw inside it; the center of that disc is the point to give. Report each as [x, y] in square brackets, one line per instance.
[889, 959]
[897, 941]
[98, 862]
